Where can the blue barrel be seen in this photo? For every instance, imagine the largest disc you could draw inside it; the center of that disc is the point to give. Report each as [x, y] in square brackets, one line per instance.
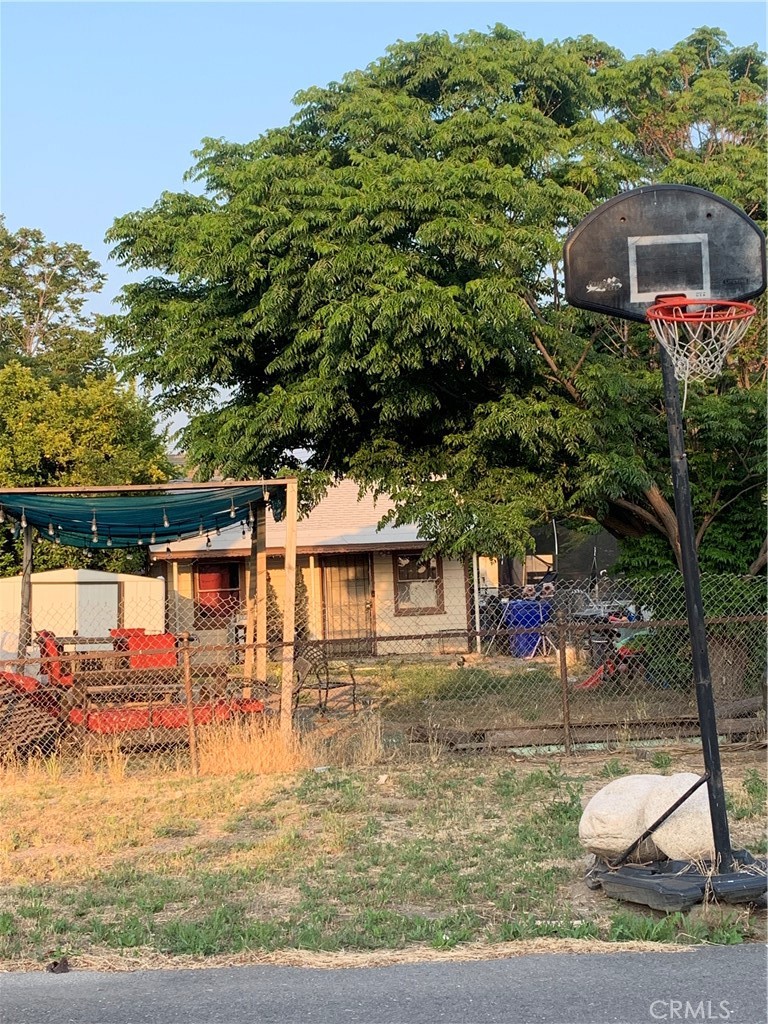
[526, 615]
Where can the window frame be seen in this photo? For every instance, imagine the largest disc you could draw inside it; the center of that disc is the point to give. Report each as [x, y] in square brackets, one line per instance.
[439, 607]
[211, 618]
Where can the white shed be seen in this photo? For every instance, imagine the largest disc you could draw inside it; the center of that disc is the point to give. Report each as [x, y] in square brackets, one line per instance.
[85, 602]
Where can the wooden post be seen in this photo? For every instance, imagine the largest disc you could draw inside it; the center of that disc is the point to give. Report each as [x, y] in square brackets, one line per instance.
[189, 699]
[260, 536]
[561, 647]
[250, 610]
[289, 607]
[25, 619]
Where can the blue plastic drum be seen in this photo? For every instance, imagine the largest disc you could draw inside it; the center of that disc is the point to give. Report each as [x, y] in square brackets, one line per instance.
[526, 615]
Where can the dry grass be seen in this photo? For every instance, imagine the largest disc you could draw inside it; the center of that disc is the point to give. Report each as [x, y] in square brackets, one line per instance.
[149, 960]
[255, 747]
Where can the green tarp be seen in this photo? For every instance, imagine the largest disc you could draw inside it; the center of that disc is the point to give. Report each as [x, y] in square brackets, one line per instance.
[133, 519]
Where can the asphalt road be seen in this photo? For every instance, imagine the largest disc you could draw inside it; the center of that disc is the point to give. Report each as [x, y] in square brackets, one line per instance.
[708, 984]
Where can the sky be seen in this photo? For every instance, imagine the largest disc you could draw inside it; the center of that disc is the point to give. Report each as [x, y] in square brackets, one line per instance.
[102, 104]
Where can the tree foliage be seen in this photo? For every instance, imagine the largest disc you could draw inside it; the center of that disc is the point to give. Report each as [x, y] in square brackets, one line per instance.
[65, 417]
[376, 288]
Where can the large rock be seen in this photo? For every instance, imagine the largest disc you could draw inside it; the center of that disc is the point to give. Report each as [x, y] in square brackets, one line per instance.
[615, 817]
[686, 834]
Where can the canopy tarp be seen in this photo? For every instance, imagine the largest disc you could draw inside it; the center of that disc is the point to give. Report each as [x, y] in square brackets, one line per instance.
[131, 519]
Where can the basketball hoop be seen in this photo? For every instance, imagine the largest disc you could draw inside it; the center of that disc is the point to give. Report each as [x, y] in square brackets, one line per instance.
[697, 334]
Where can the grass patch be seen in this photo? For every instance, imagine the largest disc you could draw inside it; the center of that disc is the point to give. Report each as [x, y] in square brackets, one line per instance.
[324, 858]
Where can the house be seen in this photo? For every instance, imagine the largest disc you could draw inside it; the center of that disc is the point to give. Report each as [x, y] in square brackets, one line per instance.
[365, 591]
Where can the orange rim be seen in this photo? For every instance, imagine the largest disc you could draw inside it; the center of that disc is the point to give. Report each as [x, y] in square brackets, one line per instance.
[706, 311]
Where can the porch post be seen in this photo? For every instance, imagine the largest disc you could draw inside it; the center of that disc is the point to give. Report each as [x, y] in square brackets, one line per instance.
[250, 611]
[260, 581]
[289, 607]
[25, 619]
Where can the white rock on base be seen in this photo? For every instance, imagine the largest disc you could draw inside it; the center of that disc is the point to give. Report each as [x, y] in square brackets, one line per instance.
[615, 817]
[687, 834]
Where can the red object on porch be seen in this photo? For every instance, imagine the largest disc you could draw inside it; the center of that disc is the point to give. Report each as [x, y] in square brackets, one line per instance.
[162, 646]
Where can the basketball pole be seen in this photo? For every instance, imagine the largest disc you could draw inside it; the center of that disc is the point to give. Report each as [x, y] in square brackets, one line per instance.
[695, 610]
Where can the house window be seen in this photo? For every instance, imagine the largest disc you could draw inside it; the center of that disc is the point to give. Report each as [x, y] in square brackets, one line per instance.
[217, 592]
[418, 584]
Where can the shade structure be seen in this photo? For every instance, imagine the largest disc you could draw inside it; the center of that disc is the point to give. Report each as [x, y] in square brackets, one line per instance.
[134, 519]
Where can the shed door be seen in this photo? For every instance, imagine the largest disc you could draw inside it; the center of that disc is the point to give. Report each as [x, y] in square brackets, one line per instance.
[97, 606]
[347, 603]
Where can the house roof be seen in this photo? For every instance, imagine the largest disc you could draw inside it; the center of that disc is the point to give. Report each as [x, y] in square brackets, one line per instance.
[340, 522]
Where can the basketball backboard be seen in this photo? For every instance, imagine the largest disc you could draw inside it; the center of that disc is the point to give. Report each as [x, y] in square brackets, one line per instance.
[662, 240]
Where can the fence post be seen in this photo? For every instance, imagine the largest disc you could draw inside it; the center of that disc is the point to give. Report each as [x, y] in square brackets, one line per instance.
[188, 697]
[561, 649]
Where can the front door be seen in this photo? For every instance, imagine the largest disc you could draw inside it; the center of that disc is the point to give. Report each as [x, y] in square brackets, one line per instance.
[347, 604]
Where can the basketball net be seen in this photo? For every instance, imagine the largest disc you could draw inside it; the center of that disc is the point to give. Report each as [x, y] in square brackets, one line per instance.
[697, 334]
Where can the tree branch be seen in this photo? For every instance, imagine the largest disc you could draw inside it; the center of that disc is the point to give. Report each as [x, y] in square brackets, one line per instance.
[761, 561]
[667, 516]
[640, 513]
[709, 519]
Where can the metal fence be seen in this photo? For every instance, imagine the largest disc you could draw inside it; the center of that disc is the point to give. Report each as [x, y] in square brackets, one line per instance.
[438, 658]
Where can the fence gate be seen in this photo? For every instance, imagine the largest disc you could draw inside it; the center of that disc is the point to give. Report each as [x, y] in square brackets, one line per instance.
[347, 603]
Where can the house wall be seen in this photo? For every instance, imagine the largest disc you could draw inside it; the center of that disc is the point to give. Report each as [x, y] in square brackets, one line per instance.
[426, 633]
[452, 620]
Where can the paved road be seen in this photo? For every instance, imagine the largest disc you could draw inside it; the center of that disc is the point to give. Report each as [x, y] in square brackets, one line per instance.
[707, 984]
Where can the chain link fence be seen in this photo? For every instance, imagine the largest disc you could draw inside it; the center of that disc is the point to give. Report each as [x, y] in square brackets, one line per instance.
[162, 664]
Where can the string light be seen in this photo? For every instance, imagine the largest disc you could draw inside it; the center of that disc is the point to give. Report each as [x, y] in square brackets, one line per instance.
[207, 541]
[23, 520]
[2, 514]
[200, 532]
[141, 542]
[165, 519]
[50, 529]
[152, 538]
[250, 515]
[109, 539]
[232, 512]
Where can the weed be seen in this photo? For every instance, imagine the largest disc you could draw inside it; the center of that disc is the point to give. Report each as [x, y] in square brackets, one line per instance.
[753, 804]
[661, 762]
[613, 769]
[676, 927]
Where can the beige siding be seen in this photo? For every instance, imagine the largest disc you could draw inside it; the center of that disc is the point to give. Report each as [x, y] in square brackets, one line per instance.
[390, 624]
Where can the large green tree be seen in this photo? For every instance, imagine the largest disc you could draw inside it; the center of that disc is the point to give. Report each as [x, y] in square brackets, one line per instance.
[66, 418]
[376, 289]
[44, 319]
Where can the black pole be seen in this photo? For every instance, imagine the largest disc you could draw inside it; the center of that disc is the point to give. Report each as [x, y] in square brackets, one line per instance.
[695, 609]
